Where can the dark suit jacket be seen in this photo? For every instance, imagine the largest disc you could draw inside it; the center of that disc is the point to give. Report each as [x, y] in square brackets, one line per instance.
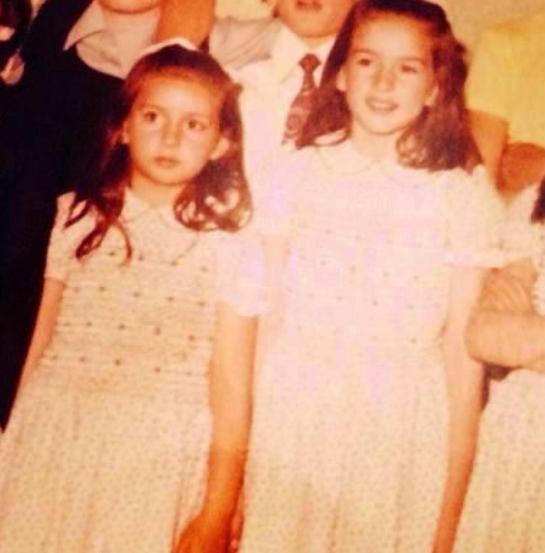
[46, 135]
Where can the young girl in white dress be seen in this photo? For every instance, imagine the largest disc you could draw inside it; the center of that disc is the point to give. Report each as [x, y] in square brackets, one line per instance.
[131, 421]
[367, 402]
[504, 510]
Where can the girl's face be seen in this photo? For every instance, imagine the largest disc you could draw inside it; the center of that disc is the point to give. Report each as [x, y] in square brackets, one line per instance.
[388, 79]
[172, 131]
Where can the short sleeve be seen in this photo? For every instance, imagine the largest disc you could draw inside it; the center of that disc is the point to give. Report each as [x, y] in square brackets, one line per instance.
[492, 75]
[62, 243]
[520, 237]
[241, 272]
[475, 215]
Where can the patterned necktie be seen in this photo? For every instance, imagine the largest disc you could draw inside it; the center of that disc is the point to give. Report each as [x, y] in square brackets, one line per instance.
[302, 103]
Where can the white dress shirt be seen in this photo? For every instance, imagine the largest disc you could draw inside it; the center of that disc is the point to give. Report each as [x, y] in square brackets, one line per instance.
[269, 88]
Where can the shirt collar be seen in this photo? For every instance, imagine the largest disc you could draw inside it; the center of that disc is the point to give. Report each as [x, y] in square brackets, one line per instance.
[91, 22]
[288, 50]
[118, 45]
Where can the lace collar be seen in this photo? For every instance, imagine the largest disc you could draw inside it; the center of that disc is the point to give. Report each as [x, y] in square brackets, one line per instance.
[136, 209]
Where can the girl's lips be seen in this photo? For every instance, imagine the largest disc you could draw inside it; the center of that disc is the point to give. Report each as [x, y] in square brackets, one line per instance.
[377, 104]
[167, 162]
[309, 5]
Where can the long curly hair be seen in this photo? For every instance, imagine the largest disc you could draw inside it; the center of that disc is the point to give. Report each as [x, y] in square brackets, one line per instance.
[440, 137]
[217, 198]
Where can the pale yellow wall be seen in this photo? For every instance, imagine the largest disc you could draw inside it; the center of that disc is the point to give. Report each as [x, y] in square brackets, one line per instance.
[468, 17]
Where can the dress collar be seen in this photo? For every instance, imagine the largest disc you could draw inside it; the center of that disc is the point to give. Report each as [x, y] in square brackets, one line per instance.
[135, 208]
[344, 158]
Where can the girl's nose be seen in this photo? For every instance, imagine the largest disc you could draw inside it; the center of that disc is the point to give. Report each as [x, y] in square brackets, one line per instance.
[172, 134]
[384, 78]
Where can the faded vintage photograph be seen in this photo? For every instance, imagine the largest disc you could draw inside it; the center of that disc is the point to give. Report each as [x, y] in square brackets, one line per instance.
[272, 276]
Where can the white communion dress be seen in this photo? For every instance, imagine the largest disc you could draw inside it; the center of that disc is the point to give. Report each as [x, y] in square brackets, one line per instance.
[349, 446]
[106, 450]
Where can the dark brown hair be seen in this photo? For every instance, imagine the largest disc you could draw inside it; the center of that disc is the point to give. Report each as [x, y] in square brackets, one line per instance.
[538, 213]
[217, 198]
[440, 137]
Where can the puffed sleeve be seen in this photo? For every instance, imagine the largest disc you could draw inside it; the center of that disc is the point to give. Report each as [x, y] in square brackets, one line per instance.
[63, 242]
[475, 215]
[241, 272]
[520, 237]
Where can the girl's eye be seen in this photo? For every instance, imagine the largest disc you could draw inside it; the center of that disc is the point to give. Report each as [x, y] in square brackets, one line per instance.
[150, 116]
[364, 61]
[409, 69]
[195, 125]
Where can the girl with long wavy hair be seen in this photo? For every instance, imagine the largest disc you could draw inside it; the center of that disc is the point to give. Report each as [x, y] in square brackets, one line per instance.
[367, 402]
[130, 426]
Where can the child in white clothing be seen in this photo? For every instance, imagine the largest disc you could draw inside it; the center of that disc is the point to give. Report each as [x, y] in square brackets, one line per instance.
[505, 506]
[367, 402]
[130, 424]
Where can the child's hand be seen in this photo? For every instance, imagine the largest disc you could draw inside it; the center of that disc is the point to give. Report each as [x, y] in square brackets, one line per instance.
[505, 292]
[205, 534]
